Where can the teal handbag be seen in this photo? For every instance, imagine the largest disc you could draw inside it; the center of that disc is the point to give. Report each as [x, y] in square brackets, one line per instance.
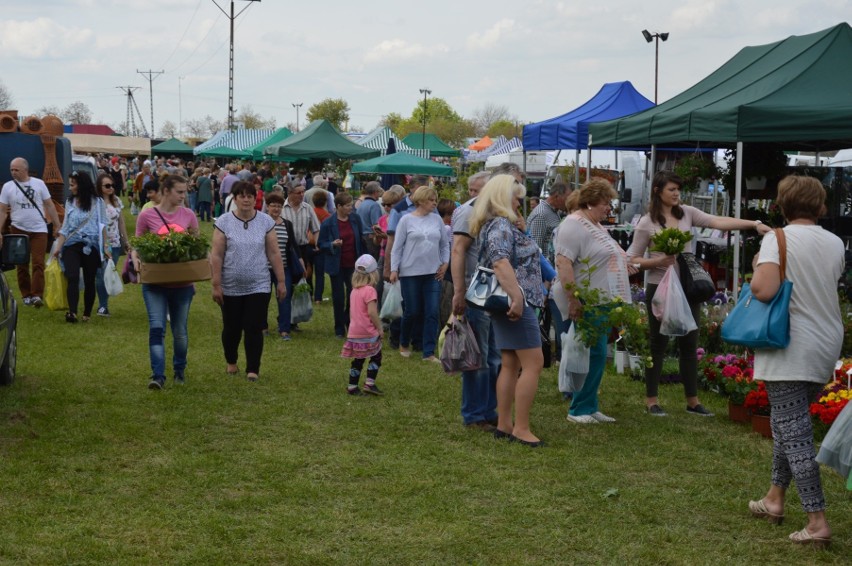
[755, 324]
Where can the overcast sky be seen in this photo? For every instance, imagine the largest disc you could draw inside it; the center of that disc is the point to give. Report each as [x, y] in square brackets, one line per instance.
[538, 58]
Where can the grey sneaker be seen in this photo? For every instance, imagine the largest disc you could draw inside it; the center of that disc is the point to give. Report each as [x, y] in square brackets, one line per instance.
[36, 302]
[28, 301]
[657, 411]
[179, 379]
[373, 390]
[103, 311]
[699, 410]
[157, 382]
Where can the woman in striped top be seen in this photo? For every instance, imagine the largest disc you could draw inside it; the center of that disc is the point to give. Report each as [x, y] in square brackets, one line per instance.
[290, 255]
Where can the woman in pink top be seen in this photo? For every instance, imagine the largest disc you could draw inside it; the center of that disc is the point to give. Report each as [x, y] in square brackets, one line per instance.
[172, 300]
[666, 211]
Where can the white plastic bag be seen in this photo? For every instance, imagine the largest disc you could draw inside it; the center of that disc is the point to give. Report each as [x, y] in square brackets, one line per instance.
[676, 317]
[574, 365]
[112, 280]
[302, 309]
[392, 305]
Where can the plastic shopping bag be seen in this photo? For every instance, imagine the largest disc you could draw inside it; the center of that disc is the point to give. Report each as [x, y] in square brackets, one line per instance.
[461, 351]
[302, 308]
[676, 317]
[55, 287]
[574, 365]
[112, 280]
[392, 305]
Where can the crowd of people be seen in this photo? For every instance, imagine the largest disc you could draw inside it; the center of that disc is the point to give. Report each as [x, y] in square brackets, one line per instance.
[273, 228]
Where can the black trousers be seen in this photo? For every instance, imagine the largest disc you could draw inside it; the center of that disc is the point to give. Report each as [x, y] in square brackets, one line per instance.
[244, 314]
[686, 345]
[73, 259]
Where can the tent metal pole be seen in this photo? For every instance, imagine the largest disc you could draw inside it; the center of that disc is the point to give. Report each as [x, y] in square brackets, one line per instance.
[577, 169]
[589, 159]
[737, 205]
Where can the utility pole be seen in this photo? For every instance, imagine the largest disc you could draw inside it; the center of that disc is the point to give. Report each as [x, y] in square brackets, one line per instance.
[180, 109]
[151, 76]
[231, 18]
[297, 105]
[425, 92]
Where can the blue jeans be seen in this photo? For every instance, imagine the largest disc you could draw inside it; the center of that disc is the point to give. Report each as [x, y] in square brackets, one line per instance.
[479, 395]
[175, 301]
[103, 296]
[421, 296]
[341, 288]
[285, 307]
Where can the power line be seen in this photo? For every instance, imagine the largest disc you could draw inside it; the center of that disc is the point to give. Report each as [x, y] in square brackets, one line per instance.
[186, 29]
[200, 43]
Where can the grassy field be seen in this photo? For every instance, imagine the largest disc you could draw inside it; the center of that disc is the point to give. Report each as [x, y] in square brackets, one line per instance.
[97, 469]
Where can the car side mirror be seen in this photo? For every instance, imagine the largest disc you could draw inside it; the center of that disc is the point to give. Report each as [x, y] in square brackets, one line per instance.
[15, 251]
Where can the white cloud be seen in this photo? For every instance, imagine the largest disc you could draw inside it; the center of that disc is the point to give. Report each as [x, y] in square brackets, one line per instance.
[492, 36]
[38, 38]
[693, 15]
[395, 50]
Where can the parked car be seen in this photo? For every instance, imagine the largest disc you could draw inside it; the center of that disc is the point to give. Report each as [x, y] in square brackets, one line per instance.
[15, 251]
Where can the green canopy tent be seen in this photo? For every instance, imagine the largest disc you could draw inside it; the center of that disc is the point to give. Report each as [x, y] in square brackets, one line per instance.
[171, 146]
[436, 147]
[792, 92]
[320, 140]
[403, 164]
[226, 152]
[256, 150]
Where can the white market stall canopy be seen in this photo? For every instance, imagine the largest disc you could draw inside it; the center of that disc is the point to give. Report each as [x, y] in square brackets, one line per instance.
[118, 145]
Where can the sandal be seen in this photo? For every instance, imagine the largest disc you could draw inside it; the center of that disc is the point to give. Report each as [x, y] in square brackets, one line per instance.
[804, 537]
[85, 318]
[758, 509]
[251, 377]
[70, 317]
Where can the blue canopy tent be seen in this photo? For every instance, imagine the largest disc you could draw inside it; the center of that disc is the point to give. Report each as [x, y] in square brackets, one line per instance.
[571, 130]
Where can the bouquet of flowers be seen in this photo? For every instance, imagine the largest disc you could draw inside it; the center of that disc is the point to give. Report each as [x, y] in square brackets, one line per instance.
[757, 401]
[670, 241]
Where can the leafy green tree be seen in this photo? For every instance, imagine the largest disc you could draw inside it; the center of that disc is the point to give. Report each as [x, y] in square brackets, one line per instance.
[392, 121]
[334, 110]
[436, 109]
[504, 128]
[253, 120]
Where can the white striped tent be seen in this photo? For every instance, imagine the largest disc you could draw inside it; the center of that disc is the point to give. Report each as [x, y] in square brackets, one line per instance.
[483, 155]
[378, 139]
[505, 146]
[235, 139]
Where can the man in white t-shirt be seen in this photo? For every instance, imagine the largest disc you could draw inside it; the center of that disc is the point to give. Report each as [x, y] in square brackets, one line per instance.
[28, 202]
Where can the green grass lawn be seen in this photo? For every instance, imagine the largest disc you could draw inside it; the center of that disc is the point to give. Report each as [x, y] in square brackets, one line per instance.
[97, 469]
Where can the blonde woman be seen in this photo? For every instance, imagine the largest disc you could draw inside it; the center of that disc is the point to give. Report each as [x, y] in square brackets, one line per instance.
[419, 258]
[514, 257]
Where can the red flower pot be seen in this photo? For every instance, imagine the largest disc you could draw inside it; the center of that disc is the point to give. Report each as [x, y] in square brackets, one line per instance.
[738, 413]
[760, 423]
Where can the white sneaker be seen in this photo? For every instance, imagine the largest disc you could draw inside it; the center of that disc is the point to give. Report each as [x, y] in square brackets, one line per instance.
[602, 418]
[583, 419]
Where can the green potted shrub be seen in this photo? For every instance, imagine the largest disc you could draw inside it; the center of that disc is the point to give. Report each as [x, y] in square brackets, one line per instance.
[696, 169]
[176, 257]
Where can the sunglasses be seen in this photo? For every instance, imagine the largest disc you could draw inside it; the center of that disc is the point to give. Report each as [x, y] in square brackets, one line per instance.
[108, 185]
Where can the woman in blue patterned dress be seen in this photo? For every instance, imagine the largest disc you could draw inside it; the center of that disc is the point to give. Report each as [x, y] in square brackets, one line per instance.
[514, 257]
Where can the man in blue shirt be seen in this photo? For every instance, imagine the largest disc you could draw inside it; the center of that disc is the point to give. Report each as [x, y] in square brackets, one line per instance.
[370, 211]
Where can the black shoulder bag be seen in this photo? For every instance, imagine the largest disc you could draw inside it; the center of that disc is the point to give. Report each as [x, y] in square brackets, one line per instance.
[48, 224]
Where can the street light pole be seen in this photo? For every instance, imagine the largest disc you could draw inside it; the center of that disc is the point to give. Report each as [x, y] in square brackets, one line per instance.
[656, 37]
[425, 92]
[231, 18]
[297, 105]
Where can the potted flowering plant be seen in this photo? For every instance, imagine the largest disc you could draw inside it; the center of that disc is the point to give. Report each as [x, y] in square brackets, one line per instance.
[757, 403]
[694, 168]
[833, 398]
[734, 376]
